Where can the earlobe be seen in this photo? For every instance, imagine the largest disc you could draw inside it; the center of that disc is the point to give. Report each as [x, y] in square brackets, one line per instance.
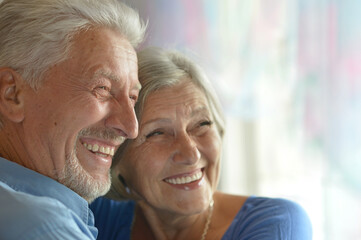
[11, 103]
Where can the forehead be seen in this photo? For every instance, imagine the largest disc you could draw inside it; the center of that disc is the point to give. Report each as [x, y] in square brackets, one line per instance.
[104, 39]
[102, 46]
[185, 98]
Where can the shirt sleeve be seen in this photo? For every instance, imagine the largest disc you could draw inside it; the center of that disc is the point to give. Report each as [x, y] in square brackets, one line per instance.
[42, 218]
[270, 219]
[66, 231]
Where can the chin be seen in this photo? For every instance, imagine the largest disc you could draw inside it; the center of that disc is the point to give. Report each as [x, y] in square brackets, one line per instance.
[75, 177]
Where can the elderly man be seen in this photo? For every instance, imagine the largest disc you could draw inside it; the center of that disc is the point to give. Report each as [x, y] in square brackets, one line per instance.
[68, 85]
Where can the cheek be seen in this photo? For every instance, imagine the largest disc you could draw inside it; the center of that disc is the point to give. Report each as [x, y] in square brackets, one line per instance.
[146, 165]
[212, 148]
[68, 112]
[87, 109]
[79, 99]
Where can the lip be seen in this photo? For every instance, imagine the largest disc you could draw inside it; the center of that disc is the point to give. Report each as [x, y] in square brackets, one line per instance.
[187, 186]
[101, 160]
[185, 174]
[113, 144]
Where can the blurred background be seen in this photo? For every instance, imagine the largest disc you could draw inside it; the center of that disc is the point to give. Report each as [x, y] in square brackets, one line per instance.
[288, 73]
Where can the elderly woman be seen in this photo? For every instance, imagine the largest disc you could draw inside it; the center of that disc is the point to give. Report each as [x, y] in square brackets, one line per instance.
[171, 170]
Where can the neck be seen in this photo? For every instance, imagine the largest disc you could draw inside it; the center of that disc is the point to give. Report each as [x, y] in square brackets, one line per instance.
[8, 147]
[167, 226]
[12, 147]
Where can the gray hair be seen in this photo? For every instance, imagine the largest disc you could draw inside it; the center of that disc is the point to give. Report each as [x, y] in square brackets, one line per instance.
[36, 34]
[161, 69]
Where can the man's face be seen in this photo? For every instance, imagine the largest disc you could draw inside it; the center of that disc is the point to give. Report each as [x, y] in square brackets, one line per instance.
[83, 111]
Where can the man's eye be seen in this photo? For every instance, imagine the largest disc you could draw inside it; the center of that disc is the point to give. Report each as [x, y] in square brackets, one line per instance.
[101, 91]
[134, 98]
[104, 88]
[154, 133]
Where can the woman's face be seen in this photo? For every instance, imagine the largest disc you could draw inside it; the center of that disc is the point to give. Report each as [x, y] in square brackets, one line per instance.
[174, 162]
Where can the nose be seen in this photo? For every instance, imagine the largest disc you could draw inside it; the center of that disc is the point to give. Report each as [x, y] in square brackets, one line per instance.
[186, 151]
[122, 118]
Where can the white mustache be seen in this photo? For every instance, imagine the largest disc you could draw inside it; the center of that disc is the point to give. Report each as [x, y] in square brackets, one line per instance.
[103, 133]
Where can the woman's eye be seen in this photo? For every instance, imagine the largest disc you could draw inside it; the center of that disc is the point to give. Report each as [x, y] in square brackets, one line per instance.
[154, 133]
[201, 127]
[205, 123]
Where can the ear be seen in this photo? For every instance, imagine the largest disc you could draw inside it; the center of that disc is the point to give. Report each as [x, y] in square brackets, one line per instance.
[11, 100]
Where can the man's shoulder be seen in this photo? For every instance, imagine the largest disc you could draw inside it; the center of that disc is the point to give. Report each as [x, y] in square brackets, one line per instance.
[22, 213]
[26, 203]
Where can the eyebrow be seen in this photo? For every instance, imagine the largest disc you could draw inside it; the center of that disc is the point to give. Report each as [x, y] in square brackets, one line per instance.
[197, 111]
[102, 73]
[162, 120]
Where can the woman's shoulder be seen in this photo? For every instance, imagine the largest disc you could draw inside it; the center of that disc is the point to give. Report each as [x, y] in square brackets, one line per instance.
[290, 210]
[107, 210]
[275, 218]
[226, 207]
[243, 205]
[229, 202]
[265, 203]
[106, 203]
[111, 215]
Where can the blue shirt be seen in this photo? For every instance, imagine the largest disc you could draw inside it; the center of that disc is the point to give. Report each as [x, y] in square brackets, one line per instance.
[258, 219]
[33, 206]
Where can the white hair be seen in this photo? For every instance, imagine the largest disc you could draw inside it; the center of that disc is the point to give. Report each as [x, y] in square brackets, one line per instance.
[162, 68]
[36, 34]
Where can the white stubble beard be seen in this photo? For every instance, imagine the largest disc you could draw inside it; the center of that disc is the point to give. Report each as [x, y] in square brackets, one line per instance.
[80, 181]
[74, 175]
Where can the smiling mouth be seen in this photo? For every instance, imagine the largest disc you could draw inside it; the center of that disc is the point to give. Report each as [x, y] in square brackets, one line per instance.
[103, 151]
[185, 179]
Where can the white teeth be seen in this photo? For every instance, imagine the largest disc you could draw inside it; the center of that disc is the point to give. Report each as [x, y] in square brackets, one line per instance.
[107, 150]
[100, 150]
[95, 148]
[100, 154]
[194, 177]
[184, 180]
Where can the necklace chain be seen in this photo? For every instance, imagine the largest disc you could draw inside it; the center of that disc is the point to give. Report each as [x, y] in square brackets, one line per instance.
[206, 226]
[205, 230]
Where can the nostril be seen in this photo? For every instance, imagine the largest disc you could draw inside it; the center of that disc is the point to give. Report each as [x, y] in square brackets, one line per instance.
[121, 133]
